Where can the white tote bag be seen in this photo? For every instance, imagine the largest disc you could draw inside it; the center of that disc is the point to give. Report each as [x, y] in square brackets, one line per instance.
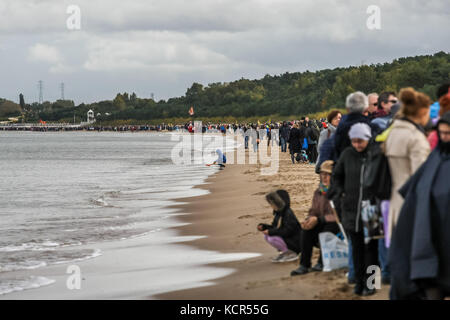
[334, 251]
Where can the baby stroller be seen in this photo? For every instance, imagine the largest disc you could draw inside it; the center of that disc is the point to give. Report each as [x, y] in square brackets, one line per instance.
[302, 157]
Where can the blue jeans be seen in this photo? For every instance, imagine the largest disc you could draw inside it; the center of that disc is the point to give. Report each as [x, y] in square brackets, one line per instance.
[383, 259]
[283, 144]
[246, 142]
[351, 268]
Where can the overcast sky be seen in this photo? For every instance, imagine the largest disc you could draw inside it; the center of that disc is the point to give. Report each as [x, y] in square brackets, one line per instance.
[162, 47]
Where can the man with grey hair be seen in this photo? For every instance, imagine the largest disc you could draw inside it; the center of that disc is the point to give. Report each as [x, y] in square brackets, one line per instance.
[356, 103]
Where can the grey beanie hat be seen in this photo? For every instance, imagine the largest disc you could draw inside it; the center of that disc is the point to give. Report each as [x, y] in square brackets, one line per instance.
[360, 131]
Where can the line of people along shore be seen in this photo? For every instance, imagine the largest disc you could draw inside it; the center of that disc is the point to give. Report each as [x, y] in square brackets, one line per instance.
[389, 156]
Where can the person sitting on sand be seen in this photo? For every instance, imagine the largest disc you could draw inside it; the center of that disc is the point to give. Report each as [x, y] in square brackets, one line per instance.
[320, 219]
[285, 232]
[221, 159]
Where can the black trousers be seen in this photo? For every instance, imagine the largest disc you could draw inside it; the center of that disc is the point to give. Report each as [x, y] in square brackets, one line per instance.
[312, 152]
[364, 255]
[310, 238]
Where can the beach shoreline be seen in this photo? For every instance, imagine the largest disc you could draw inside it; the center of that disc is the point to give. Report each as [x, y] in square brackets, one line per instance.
[228, 216]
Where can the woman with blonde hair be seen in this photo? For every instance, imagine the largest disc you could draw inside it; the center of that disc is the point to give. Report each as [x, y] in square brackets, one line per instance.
[406, 146]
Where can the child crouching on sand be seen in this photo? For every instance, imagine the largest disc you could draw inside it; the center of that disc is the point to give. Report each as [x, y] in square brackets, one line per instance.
[285, 232]
[321, 218]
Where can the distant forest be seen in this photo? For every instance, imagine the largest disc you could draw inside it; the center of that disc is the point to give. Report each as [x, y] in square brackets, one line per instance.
[279, 96]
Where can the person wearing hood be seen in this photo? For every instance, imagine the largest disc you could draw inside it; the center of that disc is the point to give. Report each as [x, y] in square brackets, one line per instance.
[419, 254]
[221, 159]
[284, 234]
[348, 184]
[320, 218]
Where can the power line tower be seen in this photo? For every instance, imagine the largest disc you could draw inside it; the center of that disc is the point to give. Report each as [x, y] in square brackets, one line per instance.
[41, 91]
[62, 90]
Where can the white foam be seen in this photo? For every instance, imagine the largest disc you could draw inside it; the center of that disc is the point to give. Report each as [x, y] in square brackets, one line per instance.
[8, 286]
[33, 246]
[26, 265]
[95, 254]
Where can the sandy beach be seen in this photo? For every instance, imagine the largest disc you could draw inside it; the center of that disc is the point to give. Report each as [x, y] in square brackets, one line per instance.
[228, 217]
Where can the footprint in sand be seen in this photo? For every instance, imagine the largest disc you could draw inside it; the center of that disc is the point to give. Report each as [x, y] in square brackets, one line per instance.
[247, 216]
[259, 193]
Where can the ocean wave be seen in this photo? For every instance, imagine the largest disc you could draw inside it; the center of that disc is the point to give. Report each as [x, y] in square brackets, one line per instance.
[101, 202]
[25, 265]
[56, 259]
[33, 246]
[95, 254]
[9, 286]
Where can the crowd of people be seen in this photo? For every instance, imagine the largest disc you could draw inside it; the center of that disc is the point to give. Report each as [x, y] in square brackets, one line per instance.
[388, 158]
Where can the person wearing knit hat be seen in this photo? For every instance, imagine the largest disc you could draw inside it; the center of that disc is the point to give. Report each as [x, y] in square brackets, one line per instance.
[360, 135]
[347, 188]
[360, 131]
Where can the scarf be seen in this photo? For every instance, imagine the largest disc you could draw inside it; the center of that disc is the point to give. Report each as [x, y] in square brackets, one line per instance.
[323, 188]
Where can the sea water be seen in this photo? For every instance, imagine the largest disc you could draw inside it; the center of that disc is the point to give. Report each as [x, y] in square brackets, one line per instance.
[61, 191]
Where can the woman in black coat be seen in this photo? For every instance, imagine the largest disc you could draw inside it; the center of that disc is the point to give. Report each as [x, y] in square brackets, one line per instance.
[296, 137]
[347, 184]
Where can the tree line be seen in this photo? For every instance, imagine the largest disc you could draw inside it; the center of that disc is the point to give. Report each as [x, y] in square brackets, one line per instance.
[284, 95]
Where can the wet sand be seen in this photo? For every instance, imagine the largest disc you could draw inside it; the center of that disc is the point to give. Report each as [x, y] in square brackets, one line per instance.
[228, 216]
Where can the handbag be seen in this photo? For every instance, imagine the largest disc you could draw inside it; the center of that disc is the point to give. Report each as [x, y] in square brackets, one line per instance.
[372, 221]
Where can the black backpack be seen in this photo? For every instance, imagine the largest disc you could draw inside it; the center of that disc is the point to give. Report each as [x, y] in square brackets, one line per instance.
[377, 176]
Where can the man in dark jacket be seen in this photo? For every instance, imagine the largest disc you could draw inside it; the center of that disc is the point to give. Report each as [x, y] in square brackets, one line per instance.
[284, 136]
[355, 103]
[419, 253]
[285, 232]
[347, 184]
[312, 134]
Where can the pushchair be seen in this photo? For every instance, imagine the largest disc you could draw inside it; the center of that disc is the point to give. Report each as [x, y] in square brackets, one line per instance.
[302, 157]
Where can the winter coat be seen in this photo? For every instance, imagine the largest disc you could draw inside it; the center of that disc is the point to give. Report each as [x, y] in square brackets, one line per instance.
[383, 122]
[347, 184]
[342, 139]
[284, 132]
[406, 148]
[285, 223]
[321, 207]
[327, 152]
[419, 255]
[295, 140]
[325, 135]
